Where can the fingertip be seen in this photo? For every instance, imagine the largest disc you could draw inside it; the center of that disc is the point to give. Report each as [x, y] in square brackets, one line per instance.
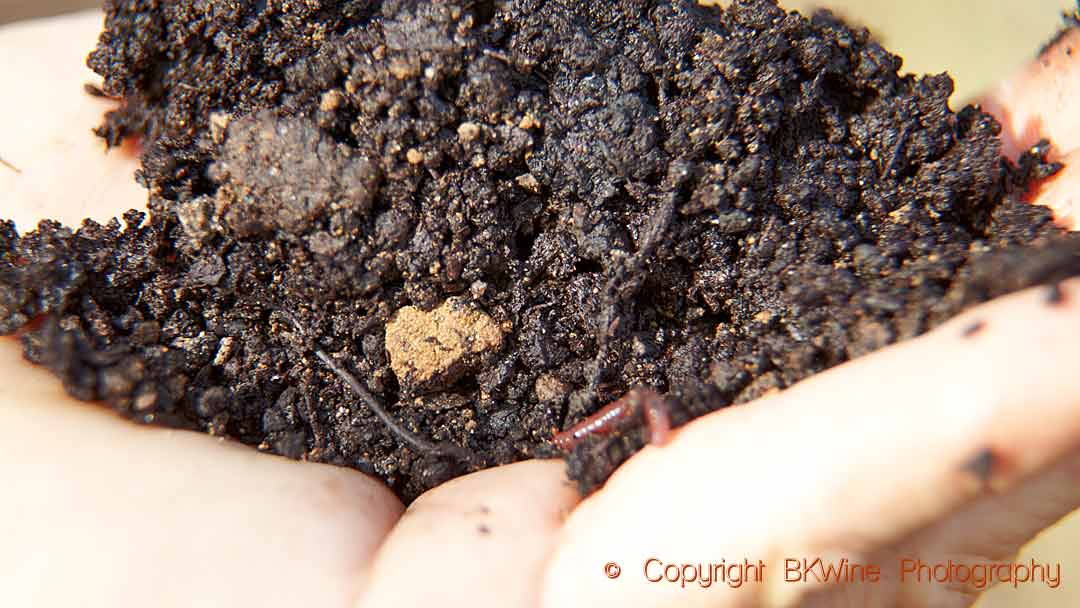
[851, 460]
[1041, 101]
[110, 505]
[1060, 192]
[480, 540]
[54, 166]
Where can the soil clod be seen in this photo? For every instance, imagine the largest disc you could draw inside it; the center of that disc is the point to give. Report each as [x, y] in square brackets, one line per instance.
[494, 219]
[431, 350]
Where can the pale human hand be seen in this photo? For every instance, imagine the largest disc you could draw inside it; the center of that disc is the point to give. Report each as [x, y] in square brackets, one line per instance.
[871, 460]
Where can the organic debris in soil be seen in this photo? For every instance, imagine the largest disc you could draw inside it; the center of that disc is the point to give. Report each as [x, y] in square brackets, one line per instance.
[499, 216]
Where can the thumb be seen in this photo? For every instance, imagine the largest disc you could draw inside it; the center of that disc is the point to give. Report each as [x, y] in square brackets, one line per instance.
[1042, 101]
[53, 164]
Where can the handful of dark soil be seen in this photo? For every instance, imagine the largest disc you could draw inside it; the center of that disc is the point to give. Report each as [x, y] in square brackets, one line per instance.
[499, 216]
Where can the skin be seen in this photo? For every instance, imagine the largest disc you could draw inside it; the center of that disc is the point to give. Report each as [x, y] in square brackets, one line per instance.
[870, 461]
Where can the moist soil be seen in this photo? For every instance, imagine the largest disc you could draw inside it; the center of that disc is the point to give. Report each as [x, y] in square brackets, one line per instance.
[499, 216]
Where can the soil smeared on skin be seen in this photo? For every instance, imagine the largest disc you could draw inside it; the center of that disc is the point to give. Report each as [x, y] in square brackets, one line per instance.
[714, 203]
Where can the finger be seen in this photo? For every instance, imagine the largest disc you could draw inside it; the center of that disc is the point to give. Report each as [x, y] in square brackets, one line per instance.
[988, 531]
[54, 166]
[480, 540]
[126, 514]
[996, 525]
[1042, 101]
[97, 511]
[1061, 192]
[850, 460]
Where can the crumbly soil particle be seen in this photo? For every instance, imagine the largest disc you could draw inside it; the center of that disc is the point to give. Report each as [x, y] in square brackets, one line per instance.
[712, 202]
[430, 350]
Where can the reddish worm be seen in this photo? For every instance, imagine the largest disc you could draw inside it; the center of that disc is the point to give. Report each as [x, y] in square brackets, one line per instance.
[646, 401]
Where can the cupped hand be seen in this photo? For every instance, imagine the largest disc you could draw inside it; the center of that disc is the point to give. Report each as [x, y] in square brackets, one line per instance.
[957, 445]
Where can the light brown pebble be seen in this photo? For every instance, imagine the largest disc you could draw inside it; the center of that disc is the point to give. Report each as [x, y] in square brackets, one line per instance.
[529, 122]
[468, 131]
[331, 100]
[431, 349]
[549, 388]
[528, 182]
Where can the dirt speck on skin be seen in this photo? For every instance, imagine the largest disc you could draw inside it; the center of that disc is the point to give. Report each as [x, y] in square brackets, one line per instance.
[9, 166]
[500, 216]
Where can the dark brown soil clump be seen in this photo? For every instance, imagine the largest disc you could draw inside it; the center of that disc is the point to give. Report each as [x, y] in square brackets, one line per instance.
[715, 203]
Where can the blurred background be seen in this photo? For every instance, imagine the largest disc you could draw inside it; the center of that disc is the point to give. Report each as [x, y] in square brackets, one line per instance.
[978, 42]
[15, 10]
[975, 40]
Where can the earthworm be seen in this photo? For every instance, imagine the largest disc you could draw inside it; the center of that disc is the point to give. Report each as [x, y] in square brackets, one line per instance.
[650, 403]
[369, 400]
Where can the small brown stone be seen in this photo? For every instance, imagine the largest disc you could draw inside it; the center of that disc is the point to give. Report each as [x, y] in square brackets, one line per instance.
[528, 182]
[224, 351]
[331, 100]
[529, 122]
[468, 131]
[403, 69]
[429, 350]
[219, 122]
[145, 398]
[549, 388]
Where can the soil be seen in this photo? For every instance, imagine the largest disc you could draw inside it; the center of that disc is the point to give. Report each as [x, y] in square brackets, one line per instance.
[499, 216]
